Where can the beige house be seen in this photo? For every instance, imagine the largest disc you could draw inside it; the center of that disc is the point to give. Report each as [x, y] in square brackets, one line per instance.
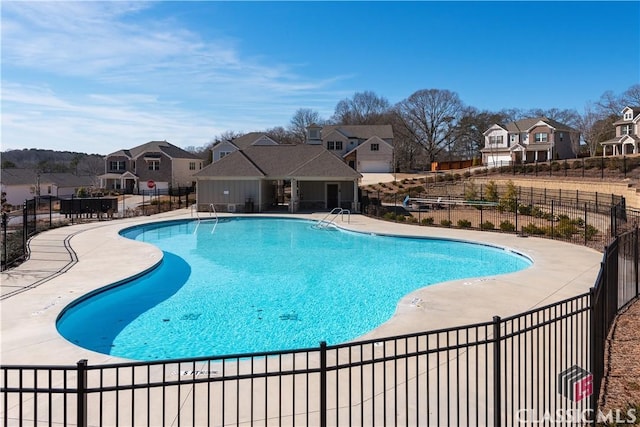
[262, 178]
[528, 141]
[154, 165]
[627, 139]
[365, 148]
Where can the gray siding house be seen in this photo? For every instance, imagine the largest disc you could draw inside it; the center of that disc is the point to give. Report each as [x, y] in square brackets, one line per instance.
[365, 148]
[158, 161]
[262, 178]
[223, 148]
[627, 139]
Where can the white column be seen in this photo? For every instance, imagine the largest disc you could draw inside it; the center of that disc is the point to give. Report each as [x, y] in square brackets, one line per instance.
[355, 196]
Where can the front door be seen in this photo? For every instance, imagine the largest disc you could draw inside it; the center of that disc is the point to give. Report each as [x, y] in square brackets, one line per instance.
[333, 196]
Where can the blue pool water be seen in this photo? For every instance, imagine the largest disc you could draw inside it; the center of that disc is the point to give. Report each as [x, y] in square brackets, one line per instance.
[265, 284]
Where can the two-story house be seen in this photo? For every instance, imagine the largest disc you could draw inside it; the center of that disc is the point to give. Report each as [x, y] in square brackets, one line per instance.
[366, 148]
[627, 139]
[528, 141]
[223, 148]
[157, 162]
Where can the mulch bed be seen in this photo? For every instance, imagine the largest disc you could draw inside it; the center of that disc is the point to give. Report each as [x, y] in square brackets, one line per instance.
[621, 387]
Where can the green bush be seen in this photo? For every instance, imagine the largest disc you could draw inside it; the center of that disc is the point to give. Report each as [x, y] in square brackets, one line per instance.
[427, 221]
[412, 219]
[400, 218]
[464, 223]
[565, 228]
[487, 225]
[390, 216]
[590, 232]
[507, 226]
[524, 209]
[491, 192]
[533, 229]
[445, 223]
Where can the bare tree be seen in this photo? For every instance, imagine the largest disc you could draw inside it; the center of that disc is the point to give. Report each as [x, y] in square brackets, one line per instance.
[364, 108]
[595, 126]
[281, 135]
[469, 132]
[631, 96]
[301, 119]
[429, 117]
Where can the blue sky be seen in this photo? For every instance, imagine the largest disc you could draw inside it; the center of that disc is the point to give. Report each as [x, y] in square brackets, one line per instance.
[96, 77]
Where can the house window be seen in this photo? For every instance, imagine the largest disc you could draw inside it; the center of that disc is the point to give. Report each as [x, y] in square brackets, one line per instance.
[495, 139]
[154, 165]
[561, 135]
[314, 133]
[628, 115]
[192, 166]
[626, 129]
[542, 137]
[513, 137]
[117, 165]
[224, 153]
[375, 147]
[334, 145]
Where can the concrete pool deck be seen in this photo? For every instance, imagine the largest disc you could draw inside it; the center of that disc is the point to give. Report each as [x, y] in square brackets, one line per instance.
[68, 262]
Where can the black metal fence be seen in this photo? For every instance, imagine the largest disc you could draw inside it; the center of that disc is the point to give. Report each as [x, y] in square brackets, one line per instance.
[591, 219]
[530, 368]
[43, 213]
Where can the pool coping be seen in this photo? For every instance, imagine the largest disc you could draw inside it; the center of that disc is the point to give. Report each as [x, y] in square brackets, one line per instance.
[28, 334]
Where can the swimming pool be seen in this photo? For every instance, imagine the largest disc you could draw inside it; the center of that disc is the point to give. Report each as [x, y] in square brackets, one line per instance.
[262, 284]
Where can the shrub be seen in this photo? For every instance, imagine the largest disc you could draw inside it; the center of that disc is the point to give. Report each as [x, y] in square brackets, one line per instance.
[470, 192]
[509, 202]
[412, 219]
[565, 228]
[555, 166]
[590, 232]
[533, 229]
[507, 226]
[400, 218]
[427, 221]
[445, 223]
[466, 174]
[524, 209]
[487, 225]
[390, 216]
[491, 191]
[464, 223]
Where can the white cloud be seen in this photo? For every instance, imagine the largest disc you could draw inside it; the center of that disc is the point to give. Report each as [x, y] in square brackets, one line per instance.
[105, 72]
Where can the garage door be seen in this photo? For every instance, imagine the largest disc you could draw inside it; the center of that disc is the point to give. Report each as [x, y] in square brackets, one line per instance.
[498, 160]
[374, 166]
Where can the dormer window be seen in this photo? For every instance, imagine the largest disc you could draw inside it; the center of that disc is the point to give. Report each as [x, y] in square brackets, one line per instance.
[334, 145]
[314, 133]
[628, 115]
[375, 147]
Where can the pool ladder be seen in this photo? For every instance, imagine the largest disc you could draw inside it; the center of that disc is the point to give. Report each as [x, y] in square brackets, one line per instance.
[212, 210]
[326, 222]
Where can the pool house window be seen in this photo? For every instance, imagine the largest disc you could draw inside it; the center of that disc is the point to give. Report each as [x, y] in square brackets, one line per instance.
[375, 147]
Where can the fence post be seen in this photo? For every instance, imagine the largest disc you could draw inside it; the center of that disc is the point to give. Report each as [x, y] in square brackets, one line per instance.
[497, 390]
[323, 383]
[585, 224]
[594, 344]
[4, 241]
[81, 394]
[552, 221]
[635, 259]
